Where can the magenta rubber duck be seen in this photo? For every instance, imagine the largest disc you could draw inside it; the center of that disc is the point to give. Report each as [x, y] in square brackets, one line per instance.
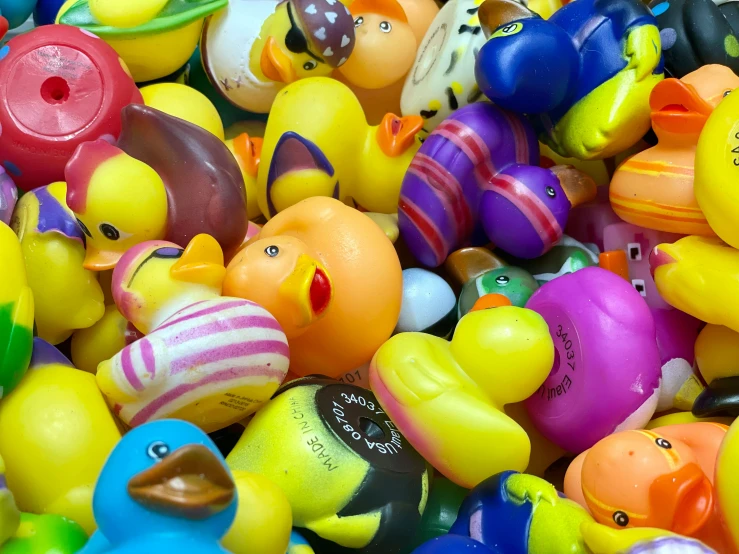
[476, 179]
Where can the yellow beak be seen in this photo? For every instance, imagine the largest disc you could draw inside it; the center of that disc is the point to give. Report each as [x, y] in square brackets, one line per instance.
[275, 64]
[309, 287]
[201, 262]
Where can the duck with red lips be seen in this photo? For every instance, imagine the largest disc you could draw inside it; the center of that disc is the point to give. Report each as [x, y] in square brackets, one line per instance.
[164, 488]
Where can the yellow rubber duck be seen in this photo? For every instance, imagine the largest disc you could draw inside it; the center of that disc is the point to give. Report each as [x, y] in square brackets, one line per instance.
[715, 349]
[601, 539]
[66, 295]
[700, 276]
[16, 312]
[717, 169]
[10, 517]
[447, 398]
[100, 342]
[727, 481]
[154, 38]
[55, 434]
[318, 143]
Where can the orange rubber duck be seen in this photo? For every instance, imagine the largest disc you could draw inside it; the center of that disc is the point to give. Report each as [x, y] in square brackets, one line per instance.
[330, 276]
[654, 188]
[662, 478]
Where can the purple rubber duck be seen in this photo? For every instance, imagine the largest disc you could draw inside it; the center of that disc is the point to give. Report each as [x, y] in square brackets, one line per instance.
[8, 196]
[476, 179]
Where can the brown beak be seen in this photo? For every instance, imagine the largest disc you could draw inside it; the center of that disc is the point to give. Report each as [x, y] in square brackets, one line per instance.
[578, 187]
[191, 482]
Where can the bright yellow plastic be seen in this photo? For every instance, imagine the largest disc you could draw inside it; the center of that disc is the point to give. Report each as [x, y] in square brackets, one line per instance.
[715, 349]
[130, 13]
[328, 114]
[703, 281]
[55, 434]
[545, 8]
[717, 170]
[10, 517]
[100, 342]
[447, 397]
[727, 481]
[601, 539]
[679, 418]
[264, 518]
[186, 103]
[67, 296]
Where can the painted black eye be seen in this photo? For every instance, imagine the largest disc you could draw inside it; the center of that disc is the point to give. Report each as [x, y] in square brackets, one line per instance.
[272, 251]
[621, 519]
[109, 232]
[157, 450]
[663, 443]
[551, 192]
[727, 93]
[84, 228]
[358, 21]
[502, 280]
[385, 26]
[310, 65]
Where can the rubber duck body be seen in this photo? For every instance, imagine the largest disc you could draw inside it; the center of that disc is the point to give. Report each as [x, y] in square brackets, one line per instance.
[421, 381]
[299, 269]
[654, 188]
[318, 143]
[277, 43]
[168, 482]
[16, 12]
[661, 478]
[565, 70]
[207, 359]
[9, 514]
[166, 179]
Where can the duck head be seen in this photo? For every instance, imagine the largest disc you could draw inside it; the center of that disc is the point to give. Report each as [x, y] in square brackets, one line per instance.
[284, 276]
[514, 284]
[118, 201]
[642, 479]
[155, 279]
[682, 106]
[165, 477]
[303, 39]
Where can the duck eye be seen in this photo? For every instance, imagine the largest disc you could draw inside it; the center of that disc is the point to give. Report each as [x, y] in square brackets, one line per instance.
[727, 93]
[309, 65]
[272, 251]
[550, 192]
[663, 443]
[358, 21]
[109, 232]
[385, 26]
[621, 519]
[502, 280]
[84, 228]
[157, 450]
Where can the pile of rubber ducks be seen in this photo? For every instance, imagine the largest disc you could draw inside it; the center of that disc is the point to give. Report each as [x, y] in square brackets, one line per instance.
[369, 276]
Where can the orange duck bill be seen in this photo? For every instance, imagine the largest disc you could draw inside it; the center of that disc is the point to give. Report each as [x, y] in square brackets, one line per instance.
[681, 501]
[275, 64]
[678, 108]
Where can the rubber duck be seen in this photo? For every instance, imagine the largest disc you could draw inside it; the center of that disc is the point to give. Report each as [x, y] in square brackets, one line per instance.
[727, 481]
[298, 545]
[8, 196]
[253, 48]
[442, 507]
[442, 78]
[103, 340]
[385, 47]
[66, 295]
[715, 167]
[165, 487]
[654, 188]
[10, 517]
[429, 304]
[590, 314]
[153, 37]
[330, 276]
[698, 275]
[320, 433]
[714, 350]
[421, 381]
[601, 539]
[166, 179]
[476, 180]
[16, 313]
[565, 69]
[516, 513]
[15, 12]
[661, 478]
[44, 534]
[46, 11]
[186, 103]
[55, 434]
[207, 359]
[697, 33]
[318, 143]
[516, 285]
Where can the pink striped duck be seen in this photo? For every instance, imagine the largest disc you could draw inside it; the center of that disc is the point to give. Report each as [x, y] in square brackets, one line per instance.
[205, 358]
[476, 179]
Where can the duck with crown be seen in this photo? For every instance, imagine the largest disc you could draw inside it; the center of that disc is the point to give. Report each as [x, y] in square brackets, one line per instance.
[167, 179]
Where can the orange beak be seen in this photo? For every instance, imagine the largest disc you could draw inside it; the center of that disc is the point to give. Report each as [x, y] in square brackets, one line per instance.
[396, 134]
[488, 301]
[678, 108]
[275, 64]
[681, 501]
[100, 260]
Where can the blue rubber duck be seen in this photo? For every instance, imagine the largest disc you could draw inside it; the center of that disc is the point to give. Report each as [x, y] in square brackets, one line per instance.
[584, 76]
[16, 11]
[164, 488]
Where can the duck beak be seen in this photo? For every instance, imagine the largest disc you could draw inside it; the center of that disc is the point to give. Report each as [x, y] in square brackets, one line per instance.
[488, 301]
[686, 496]
[309, 286]
[396, 134]
[659, 256]
[577, 186]
[191, 482]
[201, 262]
[275, 64]
[100, 260]
[678, 108]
